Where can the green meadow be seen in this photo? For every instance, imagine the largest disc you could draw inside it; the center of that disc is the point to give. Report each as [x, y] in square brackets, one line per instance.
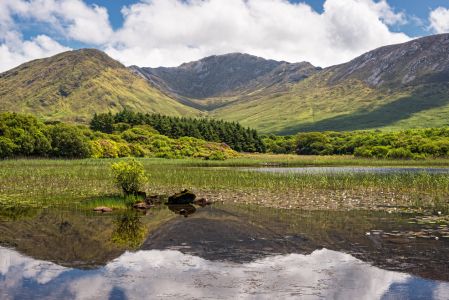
[87, 183]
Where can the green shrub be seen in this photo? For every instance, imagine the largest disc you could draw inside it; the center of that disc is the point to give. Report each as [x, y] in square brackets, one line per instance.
[129, 175]
[217, 155]
[380, 151]
[400, 153]
[363, 152]
[136, 150]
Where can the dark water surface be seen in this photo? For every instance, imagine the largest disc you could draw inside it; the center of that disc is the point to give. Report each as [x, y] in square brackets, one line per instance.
[220, 252]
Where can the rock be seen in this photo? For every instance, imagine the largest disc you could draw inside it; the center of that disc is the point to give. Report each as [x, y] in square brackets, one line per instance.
[152, 200]
[185, 210]
[183, 197]
[202, 202]
[140, 205]
[103, 209]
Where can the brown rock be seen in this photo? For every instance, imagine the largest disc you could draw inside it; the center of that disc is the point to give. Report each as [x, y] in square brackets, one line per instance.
[140, 205]
[103, 209]
[202, 202]
[152, 200]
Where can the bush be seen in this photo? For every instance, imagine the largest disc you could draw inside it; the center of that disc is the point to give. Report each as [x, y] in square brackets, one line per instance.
[363, 152]
[380, 151]
[399, 153]
[128, 175]
[217, 155]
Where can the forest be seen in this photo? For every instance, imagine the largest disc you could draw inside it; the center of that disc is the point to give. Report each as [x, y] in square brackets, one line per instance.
[406, 144]
[239, 138]
[24, 136]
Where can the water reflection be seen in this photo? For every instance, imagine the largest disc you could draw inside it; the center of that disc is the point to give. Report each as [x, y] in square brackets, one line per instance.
[185, 210]
[324, 274]
[128, 231]
[219, 252]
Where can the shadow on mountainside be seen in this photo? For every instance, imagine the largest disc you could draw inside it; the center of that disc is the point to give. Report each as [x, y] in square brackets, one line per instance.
[400, 109]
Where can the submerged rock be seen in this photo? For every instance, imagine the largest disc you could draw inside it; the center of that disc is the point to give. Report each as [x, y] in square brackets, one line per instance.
[202, 202]
[183, 197]
[185, 210]
[102, 209]
[152, 200]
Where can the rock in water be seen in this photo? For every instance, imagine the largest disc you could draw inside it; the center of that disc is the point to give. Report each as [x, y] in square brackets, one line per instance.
[183, 197]
[140, 206]
[152, 200]
[103, 209]
[202, 202]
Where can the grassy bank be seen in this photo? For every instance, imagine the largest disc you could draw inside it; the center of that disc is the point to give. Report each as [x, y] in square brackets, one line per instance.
[44, 183]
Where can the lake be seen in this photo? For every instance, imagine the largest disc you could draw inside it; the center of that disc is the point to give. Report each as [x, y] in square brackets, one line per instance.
[223, 251]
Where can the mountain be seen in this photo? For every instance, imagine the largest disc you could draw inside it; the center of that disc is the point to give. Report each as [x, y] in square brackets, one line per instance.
[214, 80]
[390, 88]
[74, 85]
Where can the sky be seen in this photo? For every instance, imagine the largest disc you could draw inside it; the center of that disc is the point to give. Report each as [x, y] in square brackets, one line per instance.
[153, 33]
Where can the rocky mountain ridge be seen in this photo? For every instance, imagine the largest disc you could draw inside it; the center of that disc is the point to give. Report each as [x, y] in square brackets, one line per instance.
[224, 76]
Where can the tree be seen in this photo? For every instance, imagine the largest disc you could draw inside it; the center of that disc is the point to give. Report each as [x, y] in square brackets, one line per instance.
[68, 141]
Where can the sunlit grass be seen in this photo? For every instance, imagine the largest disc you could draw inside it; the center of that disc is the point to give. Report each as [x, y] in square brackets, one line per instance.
[46, 183]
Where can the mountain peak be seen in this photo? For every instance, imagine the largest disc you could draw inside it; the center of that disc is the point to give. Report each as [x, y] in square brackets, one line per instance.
[422, 60]
[224, 75]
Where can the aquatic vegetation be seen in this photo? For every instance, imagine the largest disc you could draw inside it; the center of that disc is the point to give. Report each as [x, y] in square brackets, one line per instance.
[44, 182]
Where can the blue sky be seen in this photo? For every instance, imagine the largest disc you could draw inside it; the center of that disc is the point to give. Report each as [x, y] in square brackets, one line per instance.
[169, 32]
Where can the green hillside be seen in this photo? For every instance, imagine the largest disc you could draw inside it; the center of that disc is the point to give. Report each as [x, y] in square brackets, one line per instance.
[74, 85]
[390, 88]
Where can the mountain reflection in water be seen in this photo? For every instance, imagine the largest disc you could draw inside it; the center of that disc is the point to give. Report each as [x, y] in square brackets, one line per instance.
[221, 252]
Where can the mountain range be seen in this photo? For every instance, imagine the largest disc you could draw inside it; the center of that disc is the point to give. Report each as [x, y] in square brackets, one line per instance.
[390, 88]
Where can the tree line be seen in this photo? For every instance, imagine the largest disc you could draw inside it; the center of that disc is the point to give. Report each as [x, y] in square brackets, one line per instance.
[24, 136]
[406, 144]
[239, 138]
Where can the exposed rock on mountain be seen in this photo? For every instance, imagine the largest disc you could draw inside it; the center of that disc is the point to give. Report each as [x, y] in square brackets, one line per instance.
[224, 76]
[420, 61]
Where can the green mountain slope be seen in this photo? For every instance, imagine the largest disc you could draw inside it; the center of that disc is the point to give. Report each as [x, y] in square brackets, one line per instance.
[74, 85]
[390, 88]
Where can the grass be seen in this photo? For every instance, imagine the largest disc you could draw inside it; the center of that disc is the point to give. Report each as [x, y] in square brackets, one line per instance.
[89, 183]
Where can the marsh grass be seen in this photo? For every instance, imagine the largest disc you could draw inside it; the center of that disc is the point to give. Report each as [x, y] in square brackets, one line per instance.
[46, 183]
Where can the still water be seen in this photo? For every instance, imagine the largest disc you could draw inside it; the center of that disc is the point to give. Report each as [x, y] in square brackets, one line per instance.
[220, 252]
[345, 170]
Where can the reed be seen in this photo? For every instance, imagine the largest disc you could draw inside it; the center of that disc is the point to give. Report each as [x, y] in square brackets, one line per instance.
[45, 183]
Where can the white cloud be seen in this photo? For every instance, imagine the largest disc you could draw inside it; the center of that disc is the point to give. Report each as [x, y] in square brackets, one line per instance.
[170, 32]
[15, 51]
[439, 20]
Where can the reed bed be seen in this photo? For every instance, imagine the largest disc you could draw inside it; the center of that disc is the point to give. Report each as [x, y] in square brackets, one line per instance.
[45, 183]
